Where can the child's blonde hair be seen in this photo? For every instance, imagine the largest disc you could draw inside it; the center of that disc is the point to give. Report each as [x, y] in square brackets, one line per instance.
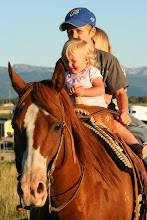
[101, 40]
[78, 48]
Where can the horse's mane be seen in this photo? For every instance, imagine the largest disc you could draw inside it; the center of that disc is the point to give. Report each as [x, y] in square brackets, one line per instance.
[88, 149]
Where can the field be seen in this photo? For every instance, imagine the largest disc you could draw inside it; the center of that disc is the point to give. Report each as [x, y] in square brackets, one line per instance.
[8, 193]
[7, 107]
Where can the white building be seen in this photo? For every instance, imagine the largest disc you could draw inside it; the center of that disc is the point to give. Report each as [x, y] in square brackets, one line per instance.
[7, 104]
[139, 112]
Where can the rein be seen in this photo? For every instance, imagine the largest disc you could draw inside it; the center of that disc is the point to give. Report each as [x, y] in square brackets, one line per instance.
[57, 209]
[51, 170]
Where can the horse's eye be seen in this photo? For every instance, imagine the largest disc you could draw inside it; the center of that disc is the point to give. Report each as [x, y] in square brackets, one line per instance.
[57, 127]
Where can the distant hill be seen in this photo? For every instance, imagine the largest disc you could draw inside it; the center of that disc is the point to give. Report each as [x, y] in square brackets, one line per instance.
[142, 71]
[137, 78]
[27, 72]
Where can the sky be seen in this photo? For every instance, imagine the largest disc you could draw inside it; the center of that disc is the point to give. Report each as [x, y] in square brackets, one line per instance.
[29, 30]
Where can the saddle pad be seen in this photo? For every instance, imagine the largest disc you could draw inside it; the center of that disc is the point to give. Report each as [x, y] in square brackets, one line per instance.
[111, 145]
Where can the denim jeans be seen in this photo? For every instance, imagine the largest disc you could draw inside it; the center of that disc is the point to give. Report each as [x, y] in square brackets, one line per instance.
[140, 131]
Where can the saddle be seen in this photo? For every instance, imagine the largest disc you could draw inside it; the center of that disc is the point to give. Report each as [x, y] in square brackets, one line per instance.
[101, 119]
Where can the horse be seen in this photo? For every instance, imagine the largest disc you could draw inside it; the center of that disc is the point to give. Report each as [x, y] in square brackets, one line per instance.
[63, 168]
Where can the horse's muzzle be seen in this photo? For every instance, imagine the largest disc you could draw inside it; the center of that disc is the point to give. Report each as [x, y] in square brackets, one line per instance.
[34, 194]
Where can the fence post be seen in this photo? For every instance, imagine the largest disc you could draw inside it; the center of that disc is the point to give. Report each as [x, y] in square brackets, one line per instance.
[4, 148]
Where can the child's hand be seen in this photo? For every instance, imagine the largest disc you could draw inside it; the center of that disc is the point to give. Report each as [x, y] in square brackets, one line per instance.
[125, 119]
[79, 91]
[72, 90]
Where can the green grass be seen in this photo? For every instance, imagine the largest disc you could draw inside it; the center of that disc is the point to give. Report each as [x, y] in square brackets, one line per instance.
[8, 193]
[7, 116]
[7, 107]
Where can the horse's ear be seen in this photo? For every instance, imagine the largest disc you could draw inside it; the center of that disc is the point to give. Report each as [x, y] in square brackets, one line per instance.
[17, 82]
[58, 78]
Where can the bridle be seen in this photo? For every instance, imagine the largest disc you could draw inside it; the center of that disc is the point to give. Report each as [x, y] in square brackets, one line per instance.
[50, 181]
[52, 166]
[54, 209]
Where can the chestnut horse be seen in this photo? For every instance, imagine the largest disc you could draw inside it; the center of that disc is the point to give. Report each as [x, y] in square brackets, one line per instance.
[63, 167]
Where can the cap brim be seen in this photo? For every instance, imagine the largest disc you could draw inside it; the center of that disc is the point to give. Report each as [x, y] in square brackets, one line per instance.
[74, 22]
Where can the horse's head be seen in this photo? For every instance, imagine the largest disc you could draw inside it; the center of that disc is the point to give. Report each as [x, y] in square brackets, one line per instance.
[37, 122]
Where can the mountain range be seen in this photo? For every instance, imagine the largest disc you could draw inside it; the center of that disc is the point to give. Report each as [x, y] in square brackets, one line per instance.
[137, 78]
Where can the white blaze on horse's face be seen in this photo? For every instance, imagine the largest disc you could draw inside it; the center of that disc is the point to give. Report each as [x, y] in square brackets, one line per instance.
[32, 158]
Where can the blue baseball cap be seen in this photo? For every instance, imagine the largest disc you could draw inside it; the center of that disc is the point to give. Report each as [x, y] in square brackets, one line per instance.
[78, 17]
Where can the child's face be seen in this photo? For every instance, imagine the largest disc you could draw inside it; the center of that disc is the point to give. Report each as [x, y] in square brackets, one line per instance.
[75, 65]
[80, 32]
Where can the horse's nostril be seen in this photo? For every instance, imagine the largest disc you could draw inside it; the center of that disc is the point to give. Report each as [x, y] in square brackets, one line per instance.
[40, 188]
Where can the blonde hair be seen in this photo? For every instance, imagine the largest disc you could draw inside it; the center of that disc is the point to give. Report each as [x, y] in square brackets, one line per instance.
[78, 48]
[101, 41]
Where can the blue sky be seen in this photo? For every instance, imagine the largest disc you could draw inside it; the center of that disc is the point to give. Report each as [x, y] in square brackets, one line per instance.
[29, 29]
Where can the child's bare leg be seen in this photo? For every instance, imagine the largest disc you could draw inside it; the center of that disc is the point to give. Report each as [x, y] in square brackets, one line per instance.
[128, 137]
